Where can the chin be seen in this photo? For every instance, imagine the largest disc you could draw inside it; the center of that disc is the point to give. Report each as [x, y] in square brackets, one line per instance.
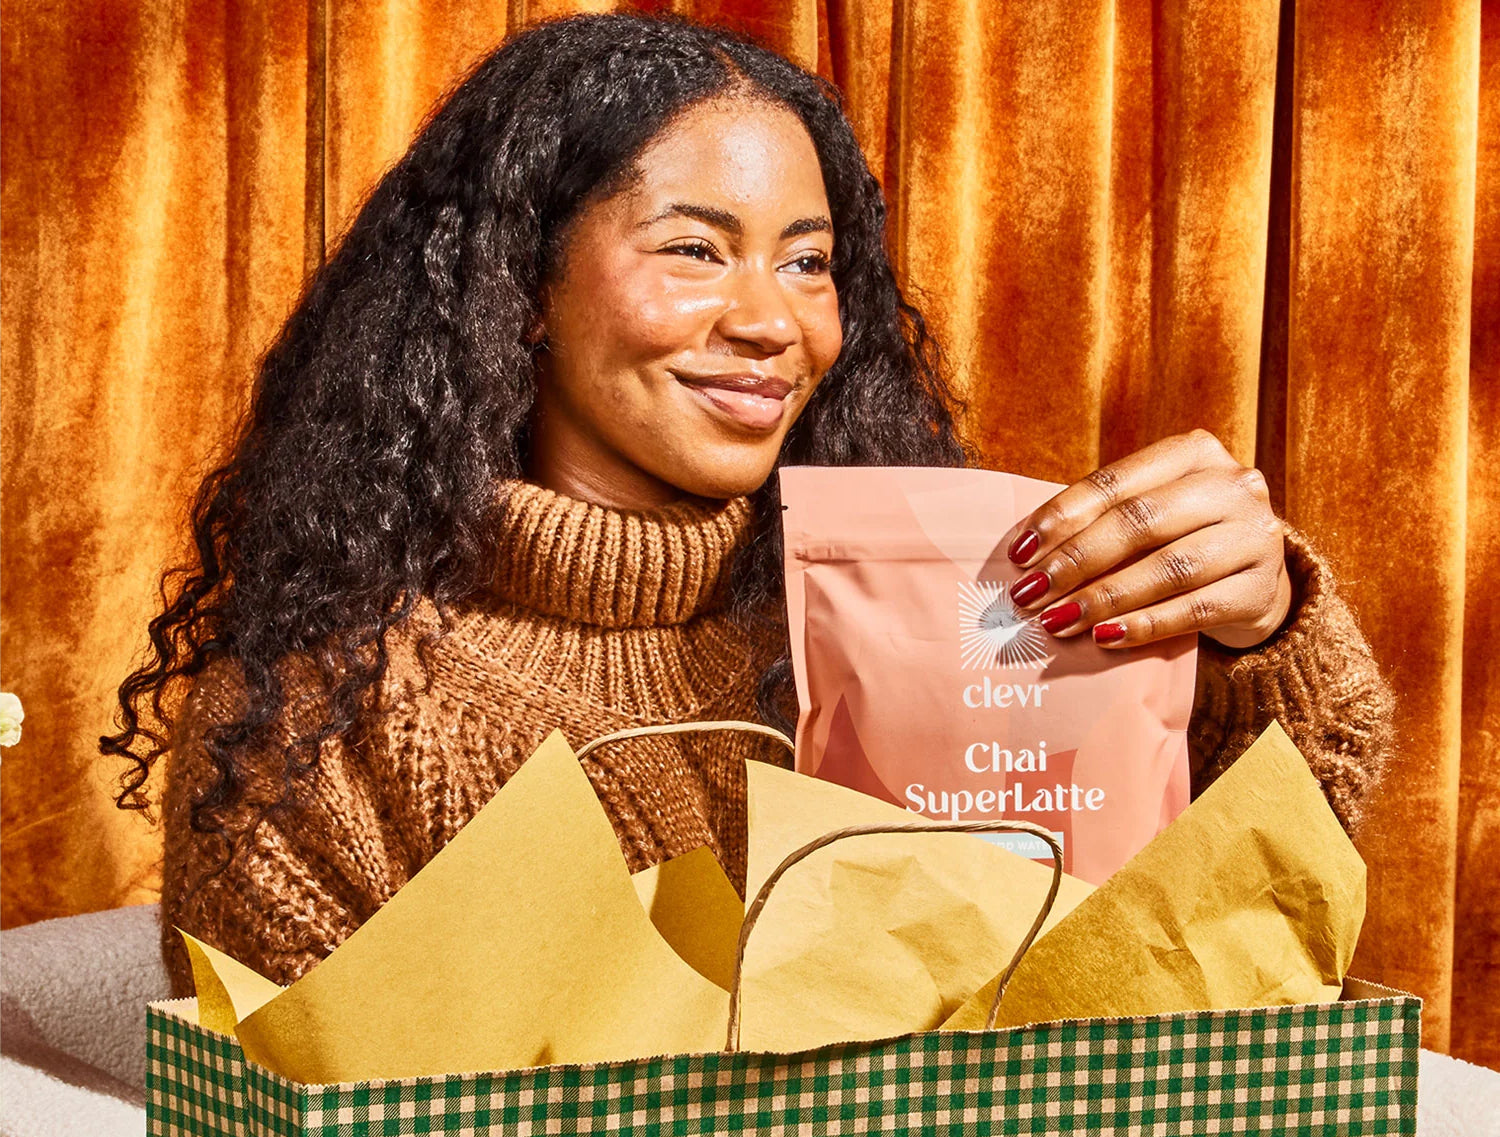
[731, 475]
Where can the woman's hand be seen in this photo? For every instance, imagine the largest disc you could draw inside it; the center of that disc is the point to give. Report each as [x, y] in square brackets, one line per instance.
[1178, 537]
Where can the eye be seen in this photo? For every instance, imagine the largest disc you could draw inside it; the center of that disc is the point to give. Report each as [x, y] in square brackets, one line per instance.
[698, 250]
[811, 263]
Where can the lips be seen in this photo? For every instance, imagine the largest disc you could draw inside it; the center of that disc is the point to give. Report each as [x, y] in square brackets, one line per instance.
[752, 401]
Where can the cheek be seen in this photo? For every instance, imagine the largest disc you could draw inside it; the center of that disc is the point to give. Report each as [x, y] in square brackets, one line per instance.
[674, 318]
[824, 334]
[645, 316]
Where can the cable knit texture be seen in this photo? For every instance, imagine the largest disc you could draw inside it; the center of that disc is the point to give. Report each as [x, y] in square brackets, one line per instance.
[1315, 676]
[598, 620]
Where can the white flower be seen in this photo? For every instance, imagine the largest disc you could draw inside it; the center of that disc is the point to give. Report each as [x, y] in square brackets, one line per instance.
[11, 715]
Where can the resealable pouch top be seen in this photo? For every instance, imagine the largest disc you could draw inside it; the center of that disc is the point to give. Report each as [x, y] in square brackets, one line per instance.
[919, 682]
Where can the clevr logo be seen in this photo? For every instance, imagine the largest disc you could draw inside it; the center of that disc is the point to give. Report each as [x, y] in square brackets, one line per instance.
[993, 634]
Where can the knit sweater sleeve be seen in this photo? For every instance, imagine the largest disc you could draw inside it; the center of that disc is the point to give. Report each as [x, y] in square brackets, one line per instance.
[1316, 676]
[295, 885]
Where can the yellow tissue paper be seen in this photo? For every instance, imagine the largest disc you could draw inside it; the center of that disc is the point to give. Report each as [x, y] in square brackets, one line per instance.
[228, 991]
[1253, 897]
[696, 910]
[522, 943]
[689, 900]
[874, 936]
[526, 941]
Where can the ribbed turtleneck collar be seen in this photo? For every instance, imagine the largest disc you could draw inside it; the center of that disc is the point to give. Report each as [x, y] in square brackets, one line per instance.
[616, 568]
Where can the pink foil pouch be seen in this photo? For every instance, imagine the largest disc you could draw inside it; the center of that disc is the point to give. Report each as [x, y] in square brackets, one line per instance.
[920, 683]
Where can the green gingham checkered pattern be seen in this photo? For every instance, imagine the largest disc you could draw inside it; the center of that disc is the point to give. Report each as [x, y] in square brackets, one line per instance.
[194, 1078]
[1347, 1068]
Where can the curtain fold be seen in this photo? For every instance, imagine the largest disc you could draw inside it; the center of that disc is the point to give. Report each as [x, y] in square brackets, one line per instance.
[1122, 218]
[1382, 243]
[152, 226]
[1476, 938]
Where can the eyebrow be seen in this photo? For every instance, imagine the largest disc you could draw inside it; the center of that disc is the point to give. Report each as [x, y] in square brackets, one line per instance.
[723, 219]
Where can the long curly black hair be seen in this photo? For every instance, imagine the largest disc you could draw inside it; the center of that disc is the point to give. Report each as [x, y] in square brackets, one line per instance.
[395, 400]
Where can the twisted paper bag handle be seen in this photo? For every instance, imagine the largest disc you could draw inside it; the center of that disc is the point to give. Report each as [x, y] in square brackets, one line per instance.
[752, 913]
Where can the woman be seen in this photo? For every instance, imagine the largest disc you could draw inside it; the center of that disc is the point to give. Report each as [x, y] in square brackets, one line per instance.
[507, 469]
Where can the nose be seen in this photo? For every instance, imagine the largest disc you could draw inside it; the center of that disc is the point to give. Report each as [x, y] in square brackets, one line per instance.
[759, 315]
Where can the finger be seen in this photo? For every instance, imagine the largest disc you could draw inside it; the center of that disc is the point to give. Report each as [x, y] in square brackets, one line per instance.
[1192, 562]
[1134, 526]
[1082, 503]
[1216, 605]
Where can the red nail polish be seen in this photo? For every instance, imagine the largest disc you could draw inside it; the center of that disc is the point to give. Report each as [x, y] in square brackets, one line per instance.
[1030, 588]
[1110, 633]
[1022, 548]
[1056, 619]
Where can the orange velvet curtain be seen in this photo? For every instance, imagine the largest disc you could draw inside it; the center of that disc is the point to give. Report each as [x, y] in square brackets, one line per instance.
[1277, 219]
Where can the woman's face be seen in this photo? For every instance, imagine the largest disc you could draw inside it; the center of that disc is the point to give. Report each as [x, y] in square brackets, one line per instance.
[692, 316]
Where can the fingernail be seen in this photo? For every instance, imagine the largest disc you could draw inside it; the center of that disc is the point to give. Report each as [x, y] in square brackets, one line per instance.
[1109, 633]
[1056, 619]
[1023, 547]
[1030, 588]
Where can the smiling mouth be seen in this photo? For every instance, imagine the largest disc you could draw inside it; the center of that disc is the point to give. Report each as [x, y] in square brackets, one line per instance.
[754, 402]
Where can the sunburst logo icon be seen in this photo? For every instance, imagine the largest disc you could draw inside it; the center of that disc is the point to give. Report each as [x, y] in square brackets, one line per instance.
[993, 633]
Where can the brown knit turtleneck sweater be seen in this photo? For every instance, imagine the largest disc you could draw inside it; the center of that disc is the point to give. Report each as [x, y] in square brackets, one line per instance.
[599, 620]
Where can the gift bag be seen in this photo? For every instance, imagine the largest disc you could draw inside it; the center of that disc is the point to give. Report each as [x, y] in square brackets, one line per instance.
[1346, 1067]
